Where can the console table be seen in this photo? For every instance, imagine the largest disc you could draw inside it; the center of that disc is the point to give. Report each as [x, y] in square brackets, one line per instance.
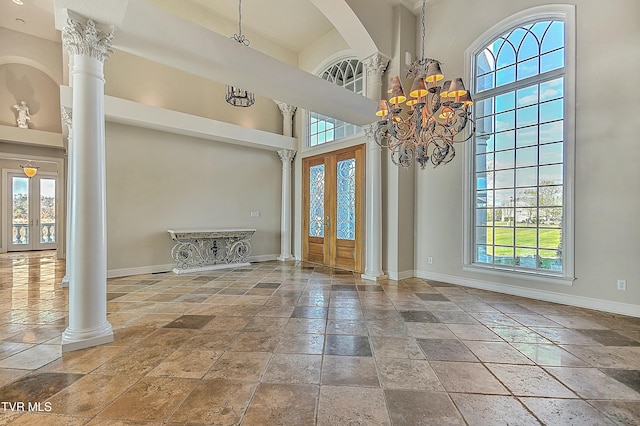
[197, 250]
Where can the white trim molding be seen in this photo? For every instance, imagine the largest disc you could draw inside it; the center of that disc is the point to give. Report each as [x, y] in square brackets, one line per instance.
[402, 275]
[567, 13]
[530, 293]
[156, 269]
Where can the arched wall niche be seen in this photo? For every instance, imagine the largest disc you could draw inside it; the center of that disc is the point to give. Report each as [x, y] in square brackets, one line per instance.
[22, 81]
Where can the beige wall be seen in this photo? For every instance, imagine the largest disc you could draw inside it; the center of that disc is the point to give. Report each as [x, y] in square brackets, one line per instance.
[140, 80]
[607, 176]
[158, 181]
[318, 53]
[398, 203]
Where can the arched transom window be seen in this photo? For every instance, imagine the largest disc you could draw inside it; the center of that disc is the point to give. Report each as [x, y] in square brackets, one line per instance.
[518, 168]
[348, 74]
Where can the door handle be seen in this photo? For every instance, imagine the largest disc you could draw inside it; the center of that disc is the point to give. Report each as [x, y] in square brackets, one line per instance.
[326, 221]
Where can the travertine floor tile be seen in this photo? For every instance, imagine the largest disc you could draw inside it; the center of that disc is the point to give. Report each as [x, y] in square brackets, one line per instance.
[497, 352]
[32, 358]
[591, 383]
[474, 332]
[244, 346]
[219, 402]
[186, 363]
[396, 347]
[282, 404]
[621, 412]
[342, 405]
[293, 368]
[90, 394]
[467, 377]
[550, 355]
[420, 408]
[152, 398]
[529, 380]
[565, 412]
[244, 366]
[493, 410]
[349, 371]
[407, 374]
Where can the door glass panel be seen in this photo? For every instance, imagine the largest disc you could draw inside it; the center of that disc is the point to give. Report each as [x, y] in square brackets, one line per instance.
[346, 199]
[316, 201]
[47, 210]
[20, 216]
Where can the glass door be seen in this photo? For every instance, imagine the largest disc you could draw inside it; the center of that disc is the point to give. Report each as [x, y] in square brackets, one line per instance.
[32, 212]
[333, 206]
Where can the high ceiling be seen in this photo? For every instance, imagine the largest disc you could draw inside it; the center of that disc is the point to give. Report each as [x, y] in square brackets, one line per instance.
[292, 24]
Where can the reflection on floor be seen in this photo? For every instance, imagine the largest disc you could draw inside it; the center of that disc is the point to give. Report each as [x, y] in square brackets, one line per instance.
[296, 344]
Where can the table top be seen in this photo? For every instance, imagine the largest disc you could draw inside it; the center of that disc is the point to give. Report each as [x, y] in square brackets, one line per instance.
[201, 230]
[204, 233]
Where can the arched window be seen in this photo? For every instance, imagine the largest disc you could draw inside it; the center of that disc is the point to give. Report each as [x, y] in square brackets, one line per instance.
[321, 128]
[520, 180]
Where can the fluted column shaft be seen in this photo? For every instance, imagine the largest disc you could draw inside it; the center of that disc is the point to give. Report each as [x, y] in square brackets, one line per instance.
[88, 325]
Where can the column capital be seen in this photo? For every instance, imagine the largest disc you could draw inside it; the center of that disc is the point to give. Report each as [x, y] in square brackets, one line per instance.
[286, 155]
[375, 64]
[370, 130]
[65, 114]
[286, 109]
[86, 39]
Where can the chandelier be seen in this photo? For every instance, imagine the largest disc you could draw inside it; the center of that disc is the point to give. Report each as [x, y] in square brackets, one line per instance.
[236, 96]
[29, 169]
[436, 119]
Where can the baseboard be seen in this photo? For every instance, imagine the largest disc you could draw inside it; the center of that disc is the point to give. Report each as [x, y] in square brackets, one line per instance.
[397, 276]
[264, 258]
[154, 269]
[141, 270]
[547, 296]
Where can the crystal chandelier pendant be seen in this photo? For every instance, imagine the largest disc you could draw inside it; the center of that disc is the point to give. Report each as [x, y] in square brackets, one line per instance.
[438, 115]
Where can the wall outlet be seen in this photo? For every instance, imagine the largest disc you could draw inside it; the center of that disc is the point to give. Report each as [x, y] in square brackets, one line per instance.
[255, 214]
[430, 260]
[622, 284]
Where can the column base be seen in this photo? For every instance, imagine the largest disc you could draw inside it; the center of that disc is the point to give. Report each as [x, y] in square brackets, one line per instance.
[374, 277]
[285, 258]
[65, 281]
[74, 340]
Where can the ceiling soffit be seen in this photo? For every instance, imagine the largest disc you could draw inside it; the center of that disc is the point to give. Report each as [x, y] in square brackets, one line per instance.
[141, 30]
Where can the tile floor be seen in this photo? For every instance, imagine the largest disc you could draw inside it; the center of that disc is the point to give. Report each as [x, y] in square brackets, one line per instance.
[295, 344]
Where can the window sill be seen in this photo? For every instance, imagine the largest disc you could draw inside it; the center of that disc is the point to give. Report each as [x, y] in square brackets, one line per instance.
[531, 276]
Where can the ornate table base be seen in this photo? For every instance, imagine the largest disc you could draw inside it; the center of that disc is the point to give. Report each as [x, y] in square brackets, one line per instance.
[198, 250]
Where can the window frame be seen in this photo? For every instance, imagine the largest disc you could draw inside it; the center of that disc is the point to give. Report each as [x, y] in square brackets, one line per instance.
[565, 13]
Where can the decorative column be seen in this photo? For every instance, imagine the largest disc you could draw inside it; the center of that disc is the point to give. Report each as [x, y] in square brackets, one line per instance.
[286, 156]
[88, 326]
[375, 66]
[65, 113]
[287, 117]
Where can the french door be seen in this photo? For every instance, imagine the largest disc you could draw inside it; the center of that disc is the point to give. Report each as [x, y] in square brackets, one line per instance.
[32, 212]
[333, 205]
